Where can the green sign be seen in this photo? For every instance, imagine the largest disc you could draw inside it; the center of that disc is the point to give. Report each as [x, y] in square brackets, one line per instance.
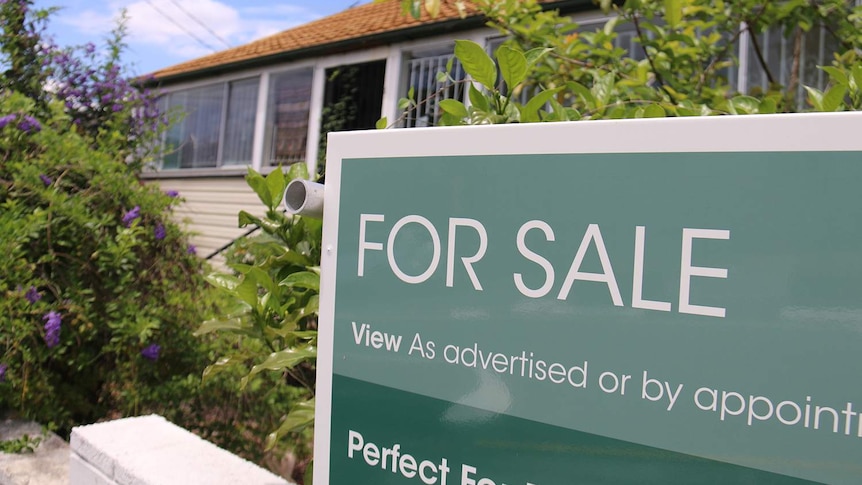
[670, 301]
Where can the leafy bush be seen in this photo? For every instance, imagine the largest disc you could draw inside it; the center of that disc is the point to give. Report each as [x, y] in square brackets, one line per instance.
[687, 48]
[100, 292]
[274, 289]
[100, 288]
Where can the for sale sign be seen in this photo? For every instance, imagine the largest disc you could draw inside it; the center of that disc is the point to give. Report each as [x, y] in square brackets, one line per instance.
[647, 301]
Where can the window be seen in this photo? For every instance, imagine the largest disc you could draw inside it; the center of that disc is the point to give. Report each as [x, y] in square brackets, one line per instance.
[287, 123]
[816, 49]
[427, 91]
[216, 126]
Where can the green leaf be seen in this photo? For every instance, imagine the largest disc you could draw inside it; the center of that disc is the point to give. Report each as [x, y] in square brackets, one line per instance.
[278, 361]
[224, 281]
[476, 62]
[260, 187]
[611, 25]
[297, 170]
[220, 365]
[381, 124]
[836, 75]
[535, 54]
[299, 418]
[260, 278]
[235, 325]
[308, 476]
[673, 12]
[433, 8]
[602, 87]
[454, 107]
[745, 104]
[815, 97]
[477, 99]
[654, 111]
[584, 92]
[530, 111]
[857, 76]
[513, 65]
[833, 100]
[276, 184]
[245, 219]
[303, 279]
[767, 107]
[247, 292]
[292, 257]
[412, 8]
[313, 305]
[304, 335]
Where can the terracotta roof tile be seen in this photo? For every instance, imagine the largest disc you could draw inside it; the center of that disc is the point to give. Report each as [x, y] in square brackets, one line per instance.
[354, 23]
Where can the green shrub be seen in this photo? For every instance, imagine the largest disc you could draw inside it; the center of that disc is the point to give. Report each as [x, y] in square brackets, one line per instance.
[100, 289]
[273, 289]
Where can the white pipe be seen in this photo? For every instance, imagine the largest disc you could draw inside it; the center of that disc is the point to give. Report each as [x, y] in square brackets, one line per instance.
[304, 198]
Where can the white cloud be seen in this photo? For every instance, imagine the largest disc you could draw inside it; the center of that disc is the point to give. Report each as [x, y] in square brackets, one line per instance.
[164, 26]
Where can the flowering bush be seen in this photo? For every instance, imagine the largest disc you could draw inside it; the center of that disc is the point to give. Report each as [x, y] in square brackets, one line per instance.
[99, 292]
[103, 104]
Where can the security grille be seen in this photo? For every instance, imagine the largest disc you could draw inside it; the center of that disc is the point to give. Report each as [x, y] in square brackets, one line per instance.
[428, 91]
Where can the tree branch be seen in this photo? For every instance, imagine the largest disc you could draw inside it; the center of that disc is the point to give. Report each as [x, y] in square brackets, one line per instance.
[759, 53]
[658, 77]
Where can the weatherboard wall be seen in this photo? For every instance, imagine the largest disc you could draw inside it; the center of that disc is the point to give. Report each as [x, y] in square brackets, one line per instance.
[210, 207]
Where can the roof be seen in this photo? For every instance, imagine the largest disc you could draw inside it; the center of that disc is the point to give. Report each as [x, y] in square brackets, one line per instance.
[354, 23]
[363, 26]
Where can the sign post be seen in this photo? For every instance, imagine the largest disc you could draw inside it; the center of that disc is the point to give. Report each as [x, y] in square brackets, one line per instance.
[644, 301]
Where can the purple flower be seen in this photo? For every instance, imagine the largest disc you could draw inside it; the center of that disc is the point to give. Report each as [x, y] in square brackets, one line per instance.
[5, 120]
[131, 215]
[33, 295]
[29, 125]
[3, 368]
[151, 352]
[159, 231]
[46, 179]
[172, 193]
[192, 249]
[52, 328]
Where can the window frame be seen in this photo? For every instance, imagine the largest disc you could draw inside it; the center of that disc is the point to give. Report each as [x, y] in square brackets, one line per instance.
[224, 110]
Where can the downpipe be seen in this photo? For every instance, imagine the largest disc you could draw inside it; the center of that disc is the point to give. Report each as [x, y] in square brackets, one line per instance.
[304, 198]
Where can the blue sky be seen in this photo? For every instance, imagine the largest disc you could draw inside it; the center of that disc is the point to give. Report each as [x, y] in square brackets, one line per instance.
[162, 33]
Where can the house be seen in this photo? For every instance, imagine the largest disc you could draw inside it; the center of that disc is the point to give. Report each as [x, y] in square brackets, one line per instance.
[267, 102]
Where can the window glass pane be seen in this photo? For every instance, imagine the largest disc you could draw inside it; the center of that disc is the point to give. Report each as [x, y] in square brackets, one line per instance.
[813, 55]
[239, 126]
[290, 93]
[193, 140]
[171, 137]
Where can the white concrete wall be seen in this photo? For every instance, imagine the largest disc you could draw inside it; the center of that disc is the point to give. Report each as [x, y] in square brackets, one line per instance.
[149, 450]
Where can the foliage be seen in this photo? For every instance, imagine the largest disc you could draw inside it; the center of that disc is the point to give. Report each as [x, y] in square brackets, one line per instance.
[84, 245]
[552, 71]
[100, 291]
[274, 290]
[100, 99]
[22, 444]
